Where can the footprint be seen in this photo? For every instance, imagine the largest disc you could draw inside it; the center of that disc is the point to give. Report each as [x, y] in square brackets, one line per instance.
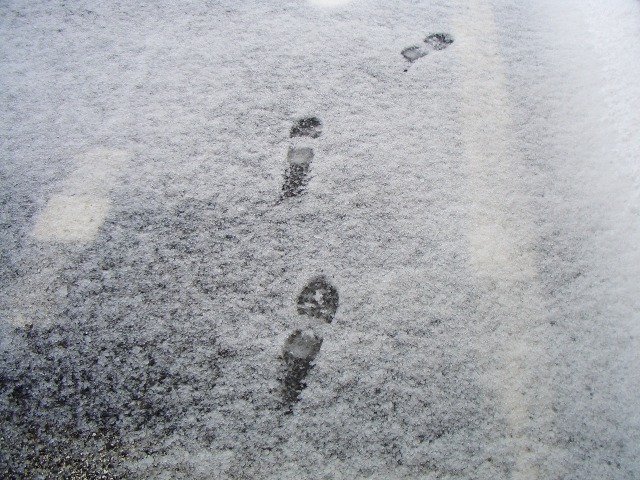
[434, 41]
[300, 349]
[307, 127]
[413, 53]
[318, 299]
[439, 41]
[296, 174]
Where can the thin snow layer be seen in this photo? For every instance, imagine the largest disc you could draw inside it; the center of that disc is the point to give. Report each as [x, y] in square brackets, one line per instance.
[473, 214]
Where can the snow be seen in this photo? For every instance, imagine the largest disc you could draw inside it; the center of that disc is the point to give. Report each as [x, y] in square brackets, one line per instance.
[437, 279]
[71, 218]
[77, 213]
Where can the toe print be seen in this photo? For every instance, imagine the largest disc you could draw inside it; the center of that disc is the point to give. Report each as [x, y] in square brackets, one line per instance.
[318, 299]
[307, 127]
[439, 41]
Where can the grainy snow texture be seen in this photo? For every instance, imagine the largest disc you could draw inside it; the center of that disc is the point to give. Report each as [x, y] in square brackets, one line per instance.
[322, 239]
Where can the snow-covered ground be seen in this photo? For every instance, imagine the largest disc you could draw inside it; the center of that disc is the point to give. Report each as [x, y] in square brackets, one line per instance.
[320, 239]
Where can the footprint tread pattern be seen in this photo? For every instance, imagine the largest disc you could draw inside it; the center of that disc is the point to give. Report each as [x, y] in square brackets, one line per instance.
[306, 127]
[296, 176]
[318, 299]
[434, 41]
[300, 349]
[439, 41]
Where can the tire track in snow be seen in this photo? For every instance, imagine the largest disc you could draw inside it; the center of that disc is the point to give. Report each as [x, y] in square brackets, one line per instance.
[501, 238]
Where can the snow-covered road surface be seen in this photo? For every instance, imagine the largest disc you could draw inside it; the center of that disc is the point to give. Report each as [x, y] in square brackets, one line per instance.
[320, 239]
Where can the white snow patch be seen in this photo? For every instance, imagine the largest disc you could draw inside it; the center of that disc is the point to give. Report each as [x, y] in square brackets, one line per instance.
[76, 214]
[71, 218]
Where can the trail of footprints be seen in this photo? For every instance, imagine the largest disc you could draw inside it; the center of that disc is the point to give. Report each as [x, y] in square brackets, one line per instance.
[318, 300]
